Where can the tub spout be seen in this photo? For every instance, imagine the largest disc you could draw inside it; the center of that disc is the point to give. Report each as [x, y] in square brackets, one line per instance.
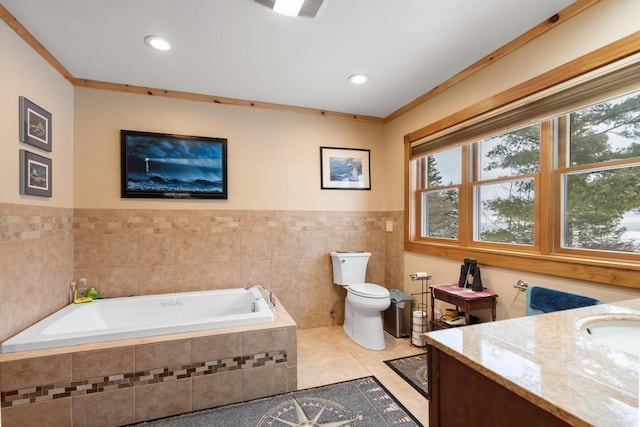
[269, 298]
[266, 293]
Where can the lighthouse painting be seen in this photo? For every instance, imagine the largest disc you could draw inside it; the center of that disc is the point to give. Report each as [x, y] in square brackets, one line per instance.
[160, 165]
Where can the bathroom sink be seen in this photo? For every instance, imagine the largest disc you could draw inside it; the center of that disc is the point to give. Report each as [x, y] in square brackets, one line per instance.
[617, 332]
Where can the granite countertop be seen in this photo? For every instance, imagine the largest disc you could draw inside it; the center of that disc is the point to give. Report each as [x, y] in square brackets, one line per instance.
[548, 360]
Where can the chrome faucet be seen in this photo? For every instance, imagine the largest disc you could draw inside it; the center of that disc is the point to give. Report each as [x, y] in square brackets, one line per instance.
[267, 294]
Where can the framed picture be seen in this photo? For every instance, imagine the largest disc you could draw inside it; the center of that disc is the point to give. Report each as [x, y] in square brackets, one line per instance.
[35, 174]
[158, 165]
[35, 125]
[345, 169]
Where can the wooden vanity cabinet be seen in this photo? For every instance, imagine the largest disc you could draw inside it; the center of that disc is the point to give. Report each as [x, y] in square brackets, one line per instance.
[462, 396]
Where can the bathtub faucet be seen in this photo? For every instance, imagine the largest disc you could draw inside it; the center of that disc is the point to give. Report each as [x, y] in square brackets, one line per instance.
[268, 295]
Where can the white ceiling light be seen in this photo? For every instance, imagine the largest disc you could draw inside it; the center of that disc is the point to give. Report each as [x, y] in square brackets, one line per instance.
[288, 7]
[157, 42]
[358, 79]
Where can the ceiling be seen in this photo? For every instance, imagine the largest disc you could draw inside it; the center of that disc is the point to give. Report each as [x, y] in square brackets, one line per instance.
[240, 49]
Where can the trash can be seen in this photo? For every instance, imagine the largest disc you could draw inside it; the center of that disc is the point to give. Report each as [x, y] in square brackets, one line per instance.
[397, 319]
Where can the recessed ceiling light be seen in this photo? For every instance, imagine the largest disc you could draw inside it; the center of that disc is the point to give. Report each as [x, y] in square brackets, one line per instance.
[157, 42]
[358, 79]
[288, 7]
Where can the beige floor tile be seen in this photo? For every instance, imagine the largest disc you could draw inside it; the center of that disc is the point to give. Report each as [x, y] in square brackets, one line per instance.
[326, 355]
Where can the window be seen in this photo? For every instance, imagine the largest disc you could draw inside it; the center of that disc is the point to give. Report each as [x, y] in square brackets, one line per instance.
[561, 191]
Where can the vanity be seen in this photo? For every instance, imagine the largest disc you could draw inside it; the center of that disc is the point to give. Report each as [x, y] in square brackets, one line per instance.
[544, 370]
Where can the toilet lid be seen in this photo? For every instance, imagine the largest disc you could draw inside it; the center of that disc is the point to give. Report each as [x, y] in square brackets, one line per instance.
[368, 290]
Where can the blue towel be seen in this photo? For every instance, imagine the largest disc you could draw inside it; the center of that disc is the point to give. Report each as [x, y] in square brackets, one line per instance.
[543, 300]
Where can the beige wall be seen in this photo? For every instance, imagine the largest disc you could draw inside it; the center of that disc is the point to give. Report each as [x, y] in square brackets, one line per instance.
[25, 73]
[604, 23]
[273, 156]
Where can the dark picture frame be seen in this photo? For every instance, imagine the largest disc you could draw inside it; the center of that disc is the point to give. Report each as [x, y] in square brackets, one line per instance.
[35, 125]
[169, 166]
[345, 168]
[35, 174]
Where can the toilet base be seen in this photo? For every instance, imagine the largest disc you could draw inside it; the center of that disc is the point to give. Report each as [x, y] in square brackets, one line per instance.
[371, 338]
[364, 325]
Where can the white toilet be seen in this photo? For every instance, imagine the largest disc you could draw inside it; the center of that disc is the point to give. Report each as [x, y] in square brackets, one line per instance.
[365, 301]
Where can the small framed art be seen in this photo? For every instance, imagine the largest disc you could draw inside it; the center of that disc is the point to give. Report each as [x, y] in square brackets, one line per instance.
[35, 125]
[345, 169]
[35, 174]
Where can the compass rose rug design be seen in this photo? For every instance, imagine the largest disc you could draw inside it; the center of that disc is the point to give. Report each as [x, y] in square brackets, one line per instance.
[413, 369]
[363, 402]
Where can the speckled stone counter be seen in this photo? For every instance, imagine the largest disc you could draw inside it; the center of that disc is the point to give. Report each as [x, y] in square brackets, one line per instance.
[549, 361]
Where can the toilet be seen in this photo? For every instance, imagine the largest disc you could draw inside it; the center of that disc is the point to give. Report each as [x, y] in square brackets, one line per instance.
[365, 301]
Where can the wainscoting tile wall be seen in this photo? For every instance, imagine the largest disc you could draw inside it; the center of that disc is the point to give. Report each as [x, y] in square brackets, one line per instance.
[136, 252]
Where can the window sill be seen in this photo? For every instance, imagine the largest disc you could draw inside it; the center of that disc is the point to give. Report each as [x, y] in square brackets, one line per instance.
[621, 273]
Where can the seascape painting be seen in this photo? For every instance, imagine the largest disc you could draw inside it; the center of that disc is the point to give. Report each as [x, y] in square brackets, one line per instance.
[345, 168]
[173, 166]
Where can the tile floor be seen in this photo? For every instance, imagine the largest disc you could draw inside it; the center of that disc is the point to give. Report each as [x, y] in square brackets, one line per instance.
[326, 355]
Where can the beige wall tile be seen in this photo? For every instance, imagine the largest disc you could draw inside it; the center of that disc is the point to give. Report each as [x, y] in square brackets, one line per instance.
[192, 248]
[292, 378]
[159, 279]
[170, 353]
[256, 271]
[51, 413]
[216, 390]
[101, 363]
[255, 245]
[34, 372]
[118, 281]
[225, 274]
[192, 276]
[284, 244]
[106, 409]
[266, 340]
[156, 249]
[263, 381]
[164, 399]
[313, 244]
[216, 347]
[224, 246]
[292, 346]
[119, 250]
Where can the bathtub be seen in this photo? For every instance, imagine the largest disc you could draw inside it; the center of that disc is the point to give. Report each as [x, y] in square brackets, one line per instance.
[142, 316]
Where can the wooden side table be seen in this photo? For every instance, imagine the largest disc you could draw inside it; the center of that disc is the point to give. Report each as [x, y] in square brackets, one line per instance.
[463, 298]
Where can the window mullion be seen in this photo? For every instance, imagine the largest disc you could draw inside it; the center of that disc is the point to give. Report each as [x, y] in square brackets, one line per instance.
[545, 227]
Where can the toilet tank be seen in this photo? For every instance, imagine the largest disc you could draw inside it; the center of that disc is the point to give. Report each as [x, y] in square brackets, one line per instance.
[349, 267]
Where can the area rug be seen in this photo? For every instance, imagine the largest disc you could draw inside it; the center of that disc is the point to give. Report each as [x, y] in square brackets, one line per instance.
[363, 402]
[413, 369]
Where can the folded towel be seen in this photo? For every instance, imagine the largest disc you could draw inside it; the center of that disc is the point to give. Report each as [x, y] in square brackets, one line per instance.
[543, 300]
[397, 295]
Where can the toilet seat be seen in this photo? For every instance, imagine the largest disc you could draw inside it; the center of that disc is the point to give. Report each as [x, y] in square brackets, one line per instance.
[368, 290]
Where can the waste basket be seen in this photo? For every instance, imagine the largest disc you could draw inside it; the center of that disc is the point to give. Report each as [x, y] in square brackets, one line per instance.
[397, 319]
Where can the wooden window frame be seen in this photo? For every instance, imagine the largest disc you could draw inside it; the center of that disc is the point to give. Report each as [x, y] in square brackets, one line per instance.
[622, 270]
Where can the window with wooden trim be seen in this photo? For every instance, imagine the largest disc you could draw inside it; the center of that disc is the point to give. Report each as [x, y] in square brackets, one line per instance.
[555, 178]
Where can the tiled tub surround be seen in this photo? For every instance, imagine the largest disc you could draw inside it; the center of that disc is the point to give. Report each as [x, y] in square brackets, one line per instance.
[121, 382]
[549, 361]
[36, 264]
[139, 252]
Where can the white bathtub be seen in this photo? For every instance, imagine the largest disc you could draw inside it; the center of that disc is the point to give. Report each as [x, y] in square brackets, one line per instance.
[142, 316]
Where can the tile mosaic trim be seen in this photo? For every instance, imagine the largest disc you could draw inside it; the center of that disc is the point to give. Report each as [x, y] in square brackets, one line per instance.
[46, 392]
